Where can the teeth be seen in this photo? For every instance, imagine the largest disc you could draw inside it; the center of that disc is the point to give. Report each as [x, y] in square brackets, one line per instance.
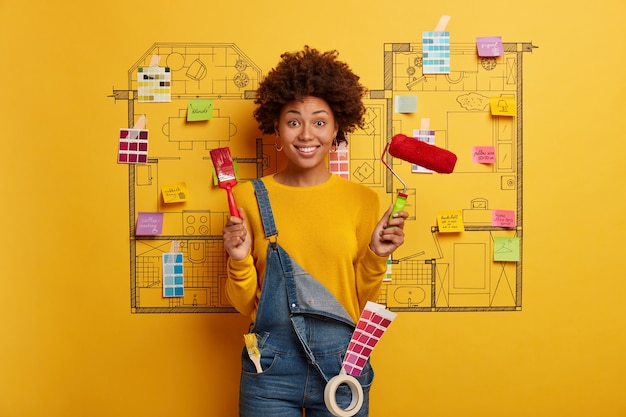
[307, 150]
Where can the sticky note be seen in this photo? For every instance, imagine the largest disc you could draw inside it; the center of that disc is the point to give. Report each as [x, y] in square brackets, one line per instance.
[199, 110]
[506, 249]
[503, 106]
[503, 218]
[405, 104]
[149, 224]
[483, 154]
[489, 46]
[174, 193]
[450, 221]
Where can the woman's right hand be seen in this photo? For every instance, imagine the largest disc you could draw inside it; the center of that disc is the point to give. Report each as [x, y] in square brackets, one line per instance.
[237, 241]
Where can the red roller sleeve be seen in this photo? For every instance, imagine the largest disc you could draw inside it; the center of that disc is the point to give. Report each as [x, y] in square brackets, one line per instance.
[422, 154]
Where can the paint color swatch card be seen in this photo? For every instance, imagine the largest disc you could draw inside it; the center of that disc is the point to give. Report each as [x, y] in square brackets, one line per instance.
[133, 146]
[426, 136]
[338, 161]
[154, 85]
[173, 278]
[436, 52]
[373, 323]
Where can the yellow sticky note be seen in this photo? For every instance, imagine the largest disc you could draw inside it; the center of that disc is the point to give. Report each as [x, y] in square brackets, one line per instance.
[198, 110]
[450, 221]
[503, 106]
[174, 193]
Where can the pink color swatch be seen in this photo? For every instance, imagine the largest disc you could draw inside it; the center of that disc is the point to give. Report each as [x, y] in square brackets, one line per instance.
[133, 147]
[371, 326]
[338, 162]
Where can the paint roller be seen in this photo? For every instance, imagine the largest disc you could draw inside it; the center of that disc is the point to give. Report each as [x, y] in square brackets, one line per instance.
[419, 153]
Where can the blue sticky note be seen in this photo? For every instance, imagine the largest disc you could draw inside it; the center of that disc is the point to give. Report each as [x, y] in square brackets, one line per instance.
[405, 104]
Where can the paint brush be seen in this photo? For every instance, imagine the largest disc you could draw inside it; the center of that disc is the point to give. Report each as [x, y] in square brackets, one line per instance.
[253, 350]
[226, 175]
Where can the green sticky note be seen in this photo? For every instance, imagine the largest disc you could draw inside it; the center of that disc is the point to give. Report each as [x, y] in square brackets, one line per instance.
[405, 104]
[506, 249]
[198, 110]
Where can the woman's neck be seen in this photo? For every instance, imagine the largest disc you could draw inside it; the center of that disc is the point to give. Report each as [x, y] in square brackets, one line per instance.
[302, 178]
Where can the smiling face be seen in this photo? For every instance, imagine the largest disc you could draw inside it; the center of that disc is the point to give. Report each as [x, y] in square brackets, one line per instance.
[306, 130]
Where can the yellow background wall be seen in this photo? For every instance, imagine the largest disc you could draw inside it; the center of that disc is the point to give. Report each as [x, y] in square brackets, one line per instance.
[69, 345]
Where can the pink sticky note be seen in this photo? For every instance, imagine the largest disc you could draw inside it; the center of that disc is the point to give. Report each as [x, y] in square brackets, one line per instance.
[149, 224]
[503, 218]
[483, 154]
[489, 46]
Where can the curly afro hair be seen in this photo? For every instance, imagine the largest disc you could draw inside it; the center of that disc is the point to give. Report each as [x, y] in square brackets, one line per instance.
[311, 73]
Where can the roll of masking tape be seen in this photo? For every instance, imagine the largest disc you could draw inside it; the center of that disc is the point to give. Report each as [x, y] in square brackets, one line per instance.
[330, 394]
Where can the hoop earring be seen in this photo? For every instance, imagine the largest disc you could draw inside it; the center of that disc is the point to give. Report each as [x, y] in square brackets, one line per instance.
[278, 148]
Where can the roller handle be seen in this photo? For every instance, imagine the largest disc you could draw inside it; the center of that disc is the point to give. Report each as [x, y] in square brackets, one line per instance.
[399, 204]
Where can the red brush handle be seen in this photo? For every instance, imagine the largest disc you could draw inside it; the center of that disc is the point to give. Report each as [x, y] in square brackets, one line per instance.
[232, 205]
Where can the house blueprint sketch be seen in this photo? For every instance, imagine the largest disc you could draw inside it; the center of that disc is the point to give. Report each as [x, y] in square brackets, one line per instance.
[433, 271]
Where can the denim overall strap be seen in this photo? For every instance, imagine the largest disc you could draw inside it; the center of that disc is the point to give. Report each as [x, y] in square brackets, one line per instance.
[267, 217]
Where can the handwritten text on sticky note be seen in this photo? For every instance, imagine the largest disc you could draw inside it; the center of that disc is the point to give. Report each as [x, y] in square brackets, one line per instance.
[483, 154]
[174, 193]
[503, 218]
[450, 221]
[198, 110]
[489, 46]
[149, 224]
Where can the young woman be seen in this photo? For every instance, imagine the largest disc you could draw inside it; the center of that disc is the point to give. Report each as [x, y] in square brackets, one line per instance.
[309, 248]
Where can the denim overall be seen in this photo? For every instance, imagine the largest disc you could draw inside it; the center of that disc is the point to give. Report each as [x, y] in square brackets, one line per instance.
[303, 333]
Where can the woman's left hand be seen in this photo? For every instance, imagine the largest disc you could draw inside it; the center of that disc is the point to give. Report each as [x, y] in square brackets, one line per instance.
[389, 233]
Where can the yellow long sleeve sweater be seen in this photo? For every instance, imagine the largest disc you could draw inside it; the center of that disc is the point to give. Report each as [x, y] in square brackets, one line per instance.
[326, 229]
